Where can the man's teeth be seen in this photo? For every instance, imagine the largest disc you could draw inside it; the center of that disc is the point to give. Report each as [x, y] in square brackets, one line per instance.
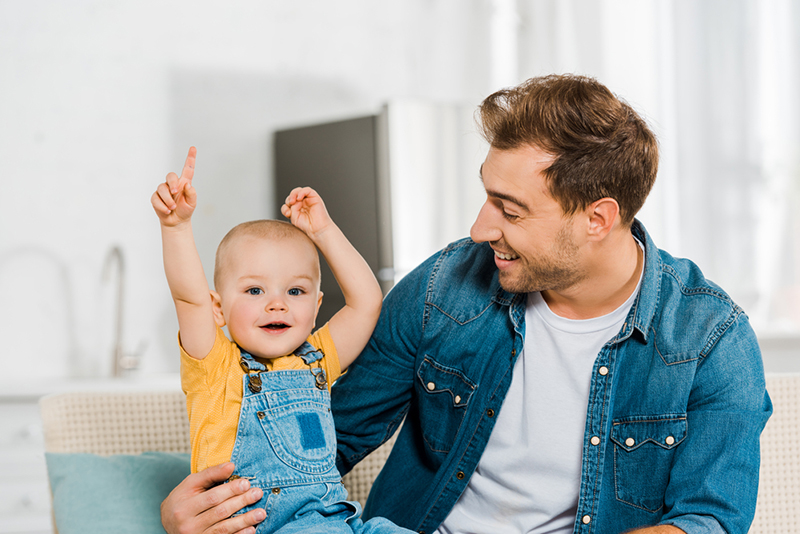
[505, 256]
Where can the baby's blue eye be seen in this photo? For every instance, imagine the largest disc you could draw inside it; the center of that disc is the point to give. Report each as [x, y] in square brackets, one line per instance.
[295, 291]
[255, 291]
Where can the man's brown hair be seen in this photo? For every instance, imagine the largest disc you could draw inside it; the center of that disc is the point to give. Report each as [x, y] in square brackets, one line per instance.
[600, 145]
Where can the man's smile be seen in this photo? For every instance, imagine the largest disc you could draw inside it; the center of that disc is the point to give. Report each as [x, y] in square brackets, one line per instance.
[505, 255]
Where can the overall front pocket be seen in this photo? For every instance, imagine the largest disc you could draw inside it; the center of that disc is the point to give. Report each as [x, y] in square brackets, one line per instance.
[643, 451]
[302, 435]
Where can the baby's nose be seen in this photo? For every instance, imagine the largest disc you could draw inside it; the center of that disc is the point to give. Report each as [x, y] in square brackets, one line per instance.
[276, 305]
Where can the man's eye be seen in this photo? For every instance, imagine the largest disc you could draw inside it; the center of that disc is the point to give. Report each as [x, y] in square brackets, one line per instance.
[295, 291]
[255, 291]
[510, 216]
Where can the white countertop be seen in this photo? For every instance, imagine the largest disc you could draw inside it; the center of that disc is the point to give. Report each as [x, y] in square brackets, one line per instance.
[32, 388]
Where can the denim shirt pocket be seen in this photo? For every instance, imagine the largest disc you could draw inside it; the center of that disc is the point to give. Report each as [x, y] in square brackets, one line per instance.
[643, 451]
[445, 393]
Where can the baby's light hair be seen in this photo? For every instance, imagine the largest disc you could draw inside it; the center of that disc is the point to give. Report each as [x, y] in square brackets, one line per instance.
[266, 229]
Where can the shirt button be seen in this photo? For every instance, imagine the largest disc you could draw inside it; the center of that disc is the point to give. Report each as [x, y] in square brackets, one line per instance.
[586, 519]
[460, 475]
[603, 370]
[595, 440]
[276, 490]
[490, 412]
[457, 399]
[670, 440]
[630, 442]
[431, 386]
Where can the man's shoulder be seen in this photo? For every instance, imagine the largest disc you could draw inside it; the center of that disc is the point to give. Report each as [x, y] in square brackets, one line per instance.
[685, 311]
[460, 281]
[460, 260]
[684, 279]
[693, 313]
[462, 268]
[673, 284]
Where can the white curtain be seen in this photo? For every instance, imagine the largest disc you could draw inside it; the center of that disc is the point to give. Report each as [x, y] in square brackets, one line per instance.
[718, 81]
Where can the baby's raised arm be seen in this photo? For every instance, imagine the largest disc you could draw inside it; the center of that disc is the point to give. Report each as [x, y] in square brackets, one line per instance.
[174, 202]
[352, 326]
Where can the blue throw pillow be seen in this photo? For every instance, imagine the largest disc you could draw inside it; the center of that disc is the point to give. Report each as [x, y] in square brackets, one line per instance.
[120, 494]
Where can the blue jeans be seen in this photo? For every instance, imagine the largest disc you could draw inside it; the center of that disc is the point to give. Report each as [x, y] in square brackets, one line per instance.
[286, 445]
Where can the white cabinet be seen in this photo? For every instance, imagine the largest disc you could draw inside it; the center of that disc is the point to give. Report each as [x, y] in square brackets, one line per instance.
[25, 503]
[24, 490]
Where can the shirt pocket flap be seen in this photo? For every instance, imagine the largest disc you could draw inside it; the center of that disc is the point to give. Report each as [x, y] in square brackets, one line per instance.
[666, 432]
[436, 378]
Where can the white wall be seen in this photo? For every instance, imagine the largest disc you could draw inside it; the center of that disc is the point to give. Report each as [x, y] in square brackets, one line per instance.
[100, 99]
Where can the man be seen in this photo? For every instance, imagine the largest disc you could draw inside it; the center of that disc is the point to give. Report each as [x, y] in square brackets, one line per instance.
[557, 373]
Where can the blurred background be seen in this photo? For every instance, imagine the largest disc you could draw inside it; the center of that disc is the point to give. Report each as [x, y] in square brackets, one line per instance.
[100, 99]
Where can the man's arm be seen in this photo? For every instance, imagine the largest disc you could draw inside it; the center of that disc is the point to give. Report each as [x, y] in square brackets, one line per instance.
[371, 399]
[713, 482]
[351, 326]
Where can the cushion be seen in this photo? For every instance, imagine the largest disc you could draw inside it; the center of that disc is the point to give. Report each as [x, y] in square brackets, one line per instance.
[120, 493]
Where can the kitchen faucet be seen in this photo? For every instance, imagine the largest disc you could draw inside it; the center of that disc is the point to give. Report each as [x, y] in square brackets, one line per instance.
[121, 361]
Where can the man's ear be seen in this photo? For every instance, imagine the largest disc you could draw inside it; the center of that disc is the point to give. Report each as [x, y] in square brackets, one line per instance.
[216, 306]
[602, 215]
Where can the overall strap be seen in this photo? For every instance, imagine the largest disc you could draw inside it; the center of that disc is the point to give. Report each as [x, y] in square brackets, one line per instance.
[306, 352]
[252, 370]
[309, 355]
[248, 363]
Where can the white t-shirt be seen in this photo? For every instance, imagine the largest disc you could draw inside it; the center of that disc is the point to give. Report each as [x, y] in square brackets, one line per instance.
[528, 479]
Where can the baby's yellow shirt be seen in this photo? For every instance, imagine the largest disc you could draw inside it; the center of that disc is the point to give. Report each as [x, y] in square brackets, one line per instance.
[213, 388]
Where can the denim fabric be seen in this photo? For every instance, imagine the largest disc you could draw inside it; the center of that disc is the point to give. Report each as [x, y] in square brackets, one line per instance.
[676, 406]
[286, 445]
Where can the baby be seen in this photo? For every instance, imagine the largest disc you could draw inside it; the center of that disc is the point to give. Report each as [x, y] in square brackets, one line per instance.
[262, 399]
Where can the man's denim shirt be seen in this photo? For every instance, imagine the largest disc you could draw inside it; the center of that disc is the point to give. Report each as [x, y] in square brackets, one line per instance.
[676, 404]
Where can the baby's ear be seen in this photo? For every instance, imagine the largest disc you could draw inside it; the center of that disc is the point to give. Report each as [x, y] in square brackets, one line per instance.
[319, 303]
[216, 306]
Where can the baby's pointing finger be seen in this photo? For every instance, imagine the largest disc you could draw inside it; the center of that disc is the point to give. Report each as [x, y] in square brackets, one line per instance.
[188, 166]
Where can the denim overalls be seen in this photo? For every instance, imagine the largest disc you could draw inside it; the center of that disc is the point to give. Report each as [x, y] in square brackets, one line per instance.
[286, 445]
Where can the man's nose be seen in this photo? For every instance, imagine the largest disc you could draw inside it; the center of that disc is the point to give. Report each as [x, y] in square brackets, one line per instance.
[484, 229]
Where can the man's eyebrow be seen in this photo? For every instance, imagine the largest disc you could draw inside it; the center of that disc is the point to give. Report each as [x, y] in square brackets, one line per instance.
[503, 196]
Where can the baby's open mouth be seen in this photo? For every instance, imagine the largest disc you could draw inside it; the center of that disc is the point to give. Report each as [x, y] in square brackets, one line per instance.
[275, 327]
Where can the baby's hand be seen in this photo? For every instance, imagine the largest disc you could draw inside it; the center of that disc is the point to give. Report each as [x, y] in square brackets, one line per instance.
[304, 207]
[175, 199]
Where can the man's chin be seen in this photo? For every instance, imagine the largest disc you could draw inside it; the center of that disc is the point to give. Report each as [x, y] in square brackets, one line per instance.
[513, 284]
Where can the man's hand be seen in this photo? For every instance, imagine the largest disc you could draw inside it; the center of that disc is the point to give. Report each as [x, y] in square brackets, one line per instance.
[175, 199]
[198, 505]
[305, 209]
[658, 529]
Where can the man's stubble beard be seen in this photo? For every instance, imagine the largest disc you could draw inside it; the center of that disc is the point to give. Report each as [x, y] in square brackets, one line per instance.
[555, 272]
